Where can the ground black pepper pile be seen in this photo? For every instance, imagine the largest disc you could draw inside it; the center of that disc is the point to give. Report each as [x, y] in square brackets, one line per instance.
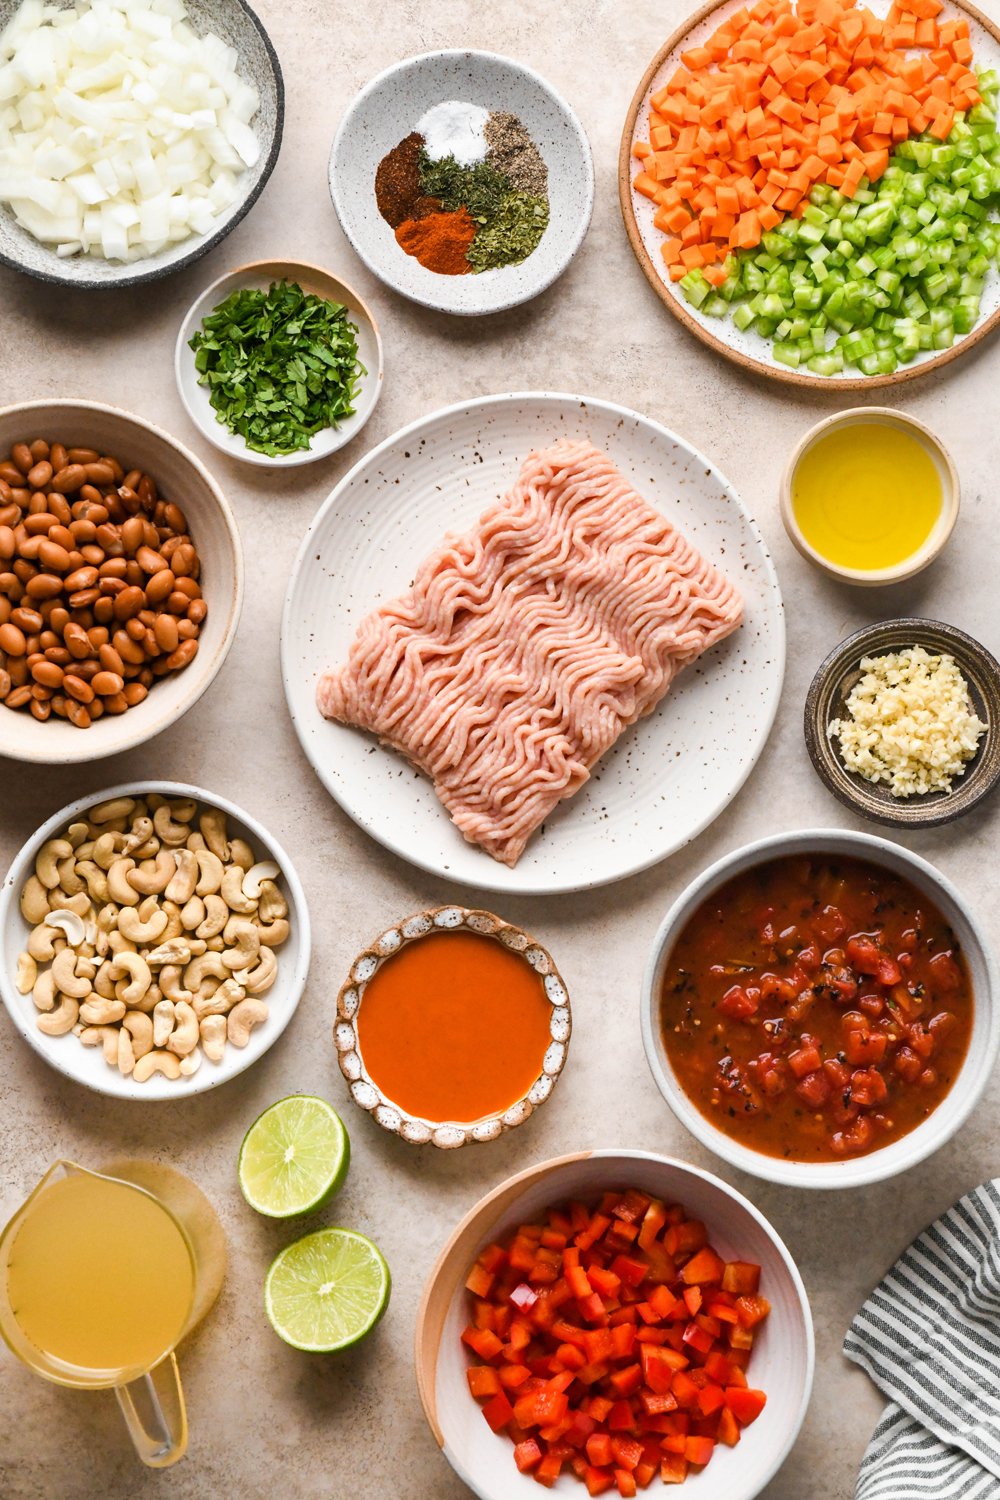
[514, 153]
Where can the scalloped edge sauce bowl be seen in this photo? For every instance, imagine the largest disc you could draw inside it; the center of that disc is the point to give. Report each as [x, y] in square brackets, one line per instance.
[364, 1089]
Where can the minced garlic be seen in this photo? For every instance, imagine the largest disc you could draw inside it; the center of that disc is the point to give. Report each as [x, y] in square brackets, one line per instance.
[910, 723]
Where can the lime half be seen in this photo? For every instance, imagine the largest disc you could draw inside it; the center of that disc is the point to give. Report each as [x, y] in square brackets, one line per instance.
[294, 1157]
[327, 1290]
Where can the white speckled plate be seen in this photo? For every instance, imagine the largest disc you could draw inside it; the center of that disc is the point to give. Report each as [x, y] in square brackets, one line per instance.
[387, 110]
[667, 777]
[748, 348]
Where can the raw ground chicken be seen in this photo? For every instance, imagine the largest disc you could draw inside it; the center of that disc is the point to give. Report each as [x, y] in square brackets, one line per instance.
[783, 96]
[529, 643]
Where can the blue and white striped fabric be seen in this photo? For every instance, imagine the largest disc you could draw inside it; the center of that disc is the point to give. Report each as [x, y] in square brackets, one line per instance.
[929, 1337]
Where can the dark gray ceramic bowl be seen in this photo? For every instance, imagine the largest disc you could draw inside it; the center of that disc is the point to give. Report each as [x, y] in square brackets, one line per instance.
[827, 700]
[235, 23]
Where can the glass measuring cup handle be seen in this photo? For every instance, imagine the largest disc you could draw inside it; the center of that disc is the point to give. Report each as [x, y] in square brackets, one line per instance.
[153, 1408]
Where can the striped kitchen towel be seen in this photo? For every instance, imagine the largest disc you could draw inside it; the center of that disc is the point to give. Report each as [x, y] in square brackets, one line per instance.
[929, 1337]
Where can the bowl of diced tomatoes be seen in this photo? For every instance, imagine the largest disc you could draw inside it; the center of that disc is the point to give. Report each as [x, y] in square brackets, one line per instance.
[611, 1321]
[818, 1008]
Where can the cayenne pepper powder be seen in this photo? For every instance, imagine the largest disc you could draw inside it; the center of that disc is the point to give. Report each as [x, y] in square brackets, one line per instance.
[439, 241]
[398, 190]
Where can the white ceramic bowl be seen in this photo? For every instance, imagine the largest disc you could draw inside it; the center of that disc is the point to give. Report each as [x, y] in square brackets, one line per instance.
[182, 478]
[958, 1103]
[237, 25]
[901, 421]
[783, 1354]
[387, 110]
[260, 274]
[86, 1065]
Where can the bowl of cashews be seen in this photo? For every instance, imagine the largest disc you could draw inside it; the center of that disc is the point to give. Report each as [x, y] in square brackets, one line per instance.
[154, 941]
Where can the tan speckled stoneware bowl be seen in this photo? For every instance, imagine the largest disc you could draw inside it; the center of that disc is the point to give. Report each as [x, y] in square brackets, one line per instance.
[182, 478]
[827, 698]
[887, 416]
[448, 1134]
[783, 1354]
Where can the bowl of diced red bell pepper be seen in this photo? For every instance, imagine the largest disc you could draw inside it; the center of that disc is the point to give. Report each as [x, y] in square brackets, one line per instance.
[608, 1322]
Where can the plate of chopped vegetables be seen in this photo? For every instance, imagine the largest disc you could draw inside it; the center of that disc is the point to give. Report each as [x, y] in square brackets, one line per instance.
[812, 186]
[279, 363]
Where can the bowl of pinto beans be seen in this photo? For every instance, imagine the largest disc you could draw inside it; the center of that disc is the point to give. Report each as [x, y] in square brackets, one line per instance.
[819, 1008]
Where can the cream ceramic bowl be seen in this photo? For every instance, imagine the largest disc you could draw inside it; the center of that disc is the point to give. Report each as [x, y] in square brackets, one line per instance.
[387, 110]
[955, 1107]
[940, 532]
[86, 1065]
[182, 478]
[258, 275]
[448, 1134]
[783, 1355]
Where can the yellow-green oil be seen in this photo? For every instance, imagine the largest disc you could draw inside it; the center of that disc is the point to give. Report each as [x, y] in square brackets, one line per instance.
[866, 496]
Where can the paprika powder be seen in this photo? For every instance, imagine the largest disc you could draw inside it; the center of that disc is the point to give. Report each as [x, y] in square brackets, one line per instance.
[439, 241]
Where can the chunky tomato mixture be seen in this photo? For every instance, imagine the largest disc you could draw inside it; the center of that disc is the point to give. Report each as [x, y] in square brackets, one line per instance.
[613, 1342]
[816, 1007]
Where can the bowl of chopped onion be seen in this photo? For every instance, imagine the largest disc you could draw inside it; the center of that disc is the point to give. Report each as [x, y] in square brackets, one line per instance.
[133, 136]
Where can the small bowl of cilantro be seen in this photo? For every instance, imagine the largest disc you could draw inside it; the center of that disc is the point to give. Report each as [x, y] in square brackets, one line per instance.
[279, 363]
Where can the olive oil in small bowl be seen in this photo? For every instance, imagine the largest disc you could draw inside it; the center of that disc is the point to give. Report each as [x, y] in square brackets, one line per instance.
[870, 496]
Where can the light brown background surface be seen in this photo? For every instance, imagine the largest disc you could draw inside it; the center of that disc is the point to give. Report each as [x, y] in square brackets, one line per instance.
[265, 1419]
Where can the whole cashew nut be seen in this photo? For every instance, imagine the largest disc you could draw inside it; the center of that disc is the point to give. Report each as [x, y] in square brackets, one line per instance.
[257, 874]
[102, 1036]
[232, 892]
[156, 879]
[26, 974]
[213, 1037]
[256, 981]
[163, 1022]
[126, 1054]
[247, 946]
[175, 926]
[107, 812]
[77, 834]
[132, 927]
[242, 1019]
[61, 1020]
[241, 854]
[170, 832]
[273, 934]
[182, 883]
[107, 848]
[69, 880]
[119, 886]
[229, 993]
[104, 981]
[34, 901]
[94, 878]
[67, 980]
[100, 1012]
[184, 1037]
[170, 984]
[210, 871]
[41, 942]
[137, 968]
[140, 1028]
[192, 914]
[191, 1063]
[199, 969]
[43, 991]
[69, 922]
[216, 917]
[46, 860]
[141, 833]
[272, 903]
[213, 830]
[156, 1062]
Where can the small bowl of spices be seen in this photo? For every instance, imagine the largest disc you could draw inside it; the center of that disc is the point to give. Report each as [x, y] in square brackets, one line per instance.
[463, 180]
[279, 363]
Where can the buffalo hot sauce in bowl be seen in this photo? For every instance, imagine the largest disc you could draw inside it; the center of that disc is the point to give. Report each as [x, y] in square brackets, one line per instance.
[813, 1002]
[452, 1027]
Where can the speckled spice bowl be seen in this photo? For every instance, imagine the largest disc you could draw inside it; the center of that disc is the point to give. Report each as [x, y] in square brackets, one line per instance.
[827, 697]
[387, 110]
[933, 545]
[237, 25]
[448, 1134]
[783, 1355]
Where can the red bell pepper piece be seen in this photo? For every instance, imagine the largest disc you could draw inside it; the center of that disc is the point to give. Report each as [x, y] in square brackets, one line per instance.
[499, 1412]
[625, 1480]
[673, 1468]
[599, 1450]
[745, 1405]
[702, 1268]
[698, 1450]
[527, 1455]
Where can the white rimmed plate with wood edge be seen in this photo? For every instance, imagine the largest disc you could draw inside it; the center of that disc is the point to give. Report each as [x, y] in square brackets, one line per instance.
[783, 1354]
[749, 349]
[668, 776]
[86, 1065]
[258, 276]
[449, 1134]
[386, 111]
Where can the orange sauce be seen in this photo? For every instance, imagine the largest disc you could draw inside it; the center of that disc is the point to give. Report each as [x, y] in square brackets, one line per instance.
[454, 1027]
